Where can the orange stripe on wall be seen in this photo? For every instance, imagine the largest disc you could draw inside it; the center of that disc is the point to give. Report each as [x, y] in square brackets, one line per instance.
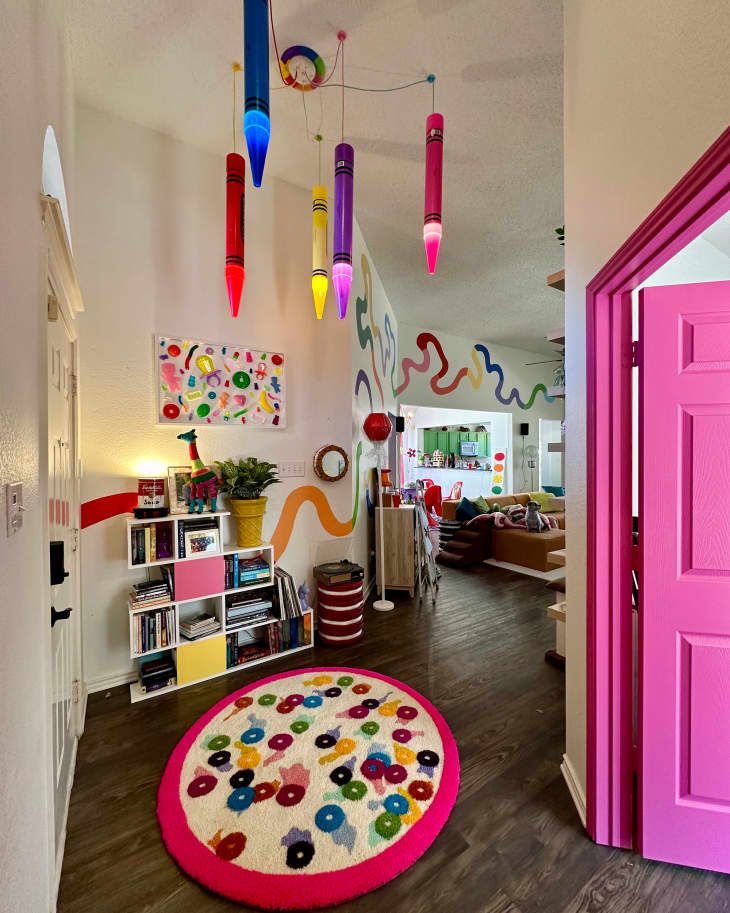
[294, 501]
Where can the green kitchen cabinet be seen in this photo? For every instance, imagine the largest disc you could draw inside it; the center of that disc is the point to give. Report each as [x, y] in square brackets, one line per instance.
[442, 441]
[453, 442]
[482, 438]
[429, 440]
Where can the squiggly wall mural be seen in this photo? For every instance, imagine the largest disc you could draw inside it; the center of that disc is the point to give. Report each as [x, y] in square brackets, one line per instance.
[475, 376]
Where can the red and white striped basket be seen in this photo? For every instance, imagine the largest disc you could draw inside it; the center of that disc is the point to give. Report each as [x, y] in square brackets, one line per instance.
[340, 618]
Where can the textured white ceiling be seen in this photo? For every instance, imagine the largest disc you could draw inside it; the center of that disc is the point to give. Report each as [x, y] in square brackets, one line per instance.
[166, 64]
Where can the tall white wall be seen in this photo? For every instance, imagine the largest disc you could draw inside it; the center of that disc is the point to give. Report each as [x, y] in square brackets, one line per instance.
[35, 91]
[150, 248]
[646, 92]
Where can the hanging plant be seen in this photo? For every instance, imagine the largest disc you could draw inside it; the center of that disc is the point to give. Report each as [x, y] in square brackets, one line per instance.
[560, 232]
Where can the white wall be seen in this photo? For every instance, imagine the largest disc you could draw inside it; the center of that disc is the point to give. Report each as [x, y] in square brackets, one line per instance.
[481, 394]
[374, 344]
[35, 90]
[646, 92]
[149, 241]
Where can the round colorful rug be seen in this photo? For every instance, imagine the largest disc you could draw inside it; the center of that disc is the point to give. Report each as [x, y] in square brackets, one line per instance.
[308, 788]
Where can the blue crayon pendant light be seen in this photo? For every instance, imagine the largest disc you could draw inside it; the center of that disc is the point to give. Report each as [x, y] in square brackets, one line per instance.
[256, 120]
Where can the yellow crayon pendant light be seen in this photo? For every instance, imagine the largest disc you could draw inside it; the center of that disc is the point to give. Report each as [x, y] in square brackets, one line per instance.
[319, 248]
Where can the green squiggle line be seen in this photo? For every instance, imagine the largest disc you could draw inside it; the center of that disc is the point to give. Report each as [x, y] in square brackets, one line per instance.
[356, 505]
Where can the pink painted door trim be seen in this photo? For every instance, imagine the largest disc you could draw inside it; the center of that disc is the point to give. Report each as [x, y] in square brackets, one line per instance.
[684, 622]
[698, 200]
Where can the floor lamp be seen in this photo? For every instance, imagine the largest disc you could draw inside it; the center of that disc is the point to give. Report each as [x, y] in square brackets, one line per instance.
[377, 428]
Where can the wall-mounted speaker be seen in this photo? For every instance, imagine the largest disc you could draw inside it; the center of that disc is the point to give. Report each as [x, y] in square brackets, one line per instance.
[400, 424]
[524, 429]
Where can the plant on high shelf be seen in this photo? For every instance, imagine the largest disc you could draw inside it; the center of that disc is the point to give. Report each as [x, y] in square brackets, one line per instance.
[244, 483]
[560, 232]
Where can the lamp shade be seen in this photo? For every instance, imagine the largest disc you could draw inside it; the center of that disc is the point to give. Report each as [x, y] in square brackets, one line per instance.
[235, 218]
[432, 230]
[377, 426]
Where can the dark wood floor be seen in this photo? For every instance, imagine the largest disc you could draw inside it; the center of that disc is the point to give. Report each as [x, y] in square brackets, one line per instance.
[513, 843]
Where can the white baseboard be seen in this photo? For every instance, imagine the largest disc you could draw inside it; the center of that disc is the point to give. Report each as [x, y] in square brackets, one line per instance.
[547, 576]
[104, 682]
[574, 788]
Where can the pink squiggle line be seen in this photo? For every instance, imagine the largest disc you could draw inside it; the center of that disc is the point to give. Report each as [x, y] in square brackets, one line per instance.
[409, 364]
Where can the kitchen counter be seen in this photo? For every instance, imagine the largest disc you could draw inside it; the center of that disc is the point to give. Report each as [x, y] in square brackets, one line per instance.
[475, 482]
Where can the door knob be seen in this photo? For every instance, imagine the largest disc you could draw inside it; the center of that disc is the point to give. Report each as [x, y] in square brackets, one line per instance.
[59, 616]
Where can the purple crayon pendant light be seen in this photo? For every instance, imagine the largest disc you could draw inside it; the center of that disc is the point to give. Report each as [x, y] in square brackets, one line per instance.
[432, 230]
[342, 242]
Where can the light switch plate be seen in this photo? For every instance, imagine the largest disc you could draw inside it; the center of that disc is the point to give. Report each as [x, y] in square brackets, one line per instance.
[14, 507]
[291, 468]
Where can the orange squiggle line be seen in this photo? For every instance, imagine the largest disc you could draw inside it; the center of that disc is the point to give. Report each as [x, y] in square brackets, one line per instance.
[289, 511]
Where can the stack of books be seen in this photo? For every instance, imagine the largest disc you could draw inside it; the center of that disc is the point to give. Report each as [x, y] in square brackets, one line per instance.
[153, 630]
[197, 536]
[150, 594]
[199, 626]
[151, 543]
[242, 571]
[242, 611]
[286, 596]
[157, 673]
[245, 646]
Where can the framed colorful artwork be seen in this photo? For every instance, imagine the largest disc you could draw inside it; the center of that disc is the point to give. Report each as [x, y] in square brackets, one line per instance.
[218, 384]
[201, 542]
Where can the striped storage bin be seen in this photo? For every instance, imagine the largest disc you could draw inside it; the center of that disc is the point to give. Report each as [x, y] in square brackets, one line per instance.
[340, 613]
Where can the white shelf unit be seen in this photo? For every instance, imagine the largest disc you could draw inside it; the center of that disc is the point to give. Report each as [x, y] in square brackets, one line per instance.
[215, 604]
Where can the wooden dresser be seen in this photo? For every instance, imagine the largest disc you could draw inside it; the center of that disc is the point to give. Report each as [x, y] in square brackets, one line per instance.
[400, 549]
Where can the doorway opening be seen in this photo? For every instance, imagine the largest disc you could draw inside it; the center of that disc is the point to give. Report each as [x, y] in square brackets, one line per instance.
[616, 733]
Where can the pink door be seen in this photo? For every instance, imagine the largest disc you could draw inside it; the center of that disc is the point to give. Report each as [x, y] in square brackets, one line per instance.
[684, 640]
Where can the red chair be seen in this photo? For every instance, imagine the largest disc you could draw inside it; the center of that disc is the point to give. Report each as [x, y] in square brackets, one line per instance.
[427, 483]
[432, 499]
[455, 492]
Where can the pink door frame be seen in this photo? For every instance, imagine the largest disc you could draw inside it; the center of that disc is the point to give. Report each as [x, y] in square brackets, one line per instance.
[698, 200]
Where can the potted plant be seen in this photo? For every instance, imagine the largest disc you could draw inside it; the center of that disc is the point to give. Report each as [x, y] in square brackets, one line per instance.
[244, 483]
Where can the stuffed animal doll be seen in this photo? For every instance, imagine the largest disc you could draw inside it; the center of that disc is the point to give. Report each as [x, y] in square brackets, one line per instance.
[533, 520]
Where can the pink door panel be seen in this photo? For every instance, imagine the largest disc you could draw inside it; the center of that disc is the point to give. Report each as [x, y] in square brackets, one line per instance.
[684, 640]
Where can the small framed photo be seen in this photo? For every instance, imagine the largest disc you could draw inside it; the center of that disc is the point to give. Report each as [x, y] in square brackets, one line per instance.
[177, 478]
[200, 542]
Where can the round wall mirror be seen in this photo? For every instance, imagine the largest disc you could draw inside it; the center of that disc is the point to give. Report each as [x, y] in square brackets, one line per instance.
[331, 463]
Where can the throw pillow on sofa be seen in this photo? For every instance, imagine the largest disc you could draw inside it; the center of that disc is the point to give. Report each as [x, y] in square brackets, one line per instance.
[466, 511]
[556, 490]
[481, 505]
[544, 499]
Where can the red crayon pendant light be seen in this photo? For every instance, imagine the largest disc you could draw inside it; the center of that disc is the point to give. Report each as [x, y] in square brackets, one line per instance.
[235, 217]
[432, 230]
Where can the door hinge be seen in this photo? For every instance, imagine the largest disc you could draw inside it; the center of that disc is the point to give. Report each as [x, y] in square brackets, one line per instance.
[74, 385]
[75, 540]
[75, 691]
[52, 307]
[635, 353]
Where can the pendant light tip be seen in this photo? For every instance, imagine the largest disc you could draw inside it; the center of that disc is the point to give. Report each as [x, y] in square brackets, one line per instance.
[235, 277]
[432, 233]
[257, 130]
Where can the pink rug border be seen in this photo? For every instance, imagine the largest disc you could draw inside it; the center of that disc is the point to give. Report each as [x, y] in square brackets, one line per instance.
[301, 892]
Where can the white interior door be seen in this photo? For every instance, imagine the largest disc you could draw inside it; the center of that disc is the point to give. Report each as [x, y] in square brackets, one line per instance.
[63, 528]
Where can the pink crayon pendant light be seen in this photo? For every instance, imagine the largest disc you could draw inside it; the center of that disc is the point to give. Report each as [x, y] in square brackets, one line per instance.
[235, 213]
[432, 230]
[342, 241]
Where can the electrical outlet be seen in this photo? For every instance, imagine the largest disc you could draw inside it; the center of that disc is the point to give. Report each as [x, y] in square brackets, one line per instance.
[290, 468]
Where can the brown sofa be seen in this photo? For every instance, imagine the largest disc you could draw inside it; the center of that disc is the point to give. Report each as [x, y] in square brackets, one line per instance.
[518, 546]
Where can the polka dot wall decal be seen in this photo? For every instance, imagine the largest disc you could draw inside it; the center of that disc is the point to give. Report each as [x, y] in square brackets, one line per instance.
[323, 795]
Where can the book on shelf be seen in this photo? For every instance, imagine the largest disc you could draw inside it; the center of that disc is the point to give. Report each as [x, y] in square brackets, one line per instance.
[241, 571]
[151, 542]
[286, 594]
[199, 626]
[157, 673]
[151, 593]
[154, 630]
[196, 536]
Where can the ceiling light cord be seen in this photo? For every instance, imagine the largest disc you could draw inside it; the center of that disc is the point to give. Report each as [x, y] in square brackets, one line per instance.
[235, 68]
